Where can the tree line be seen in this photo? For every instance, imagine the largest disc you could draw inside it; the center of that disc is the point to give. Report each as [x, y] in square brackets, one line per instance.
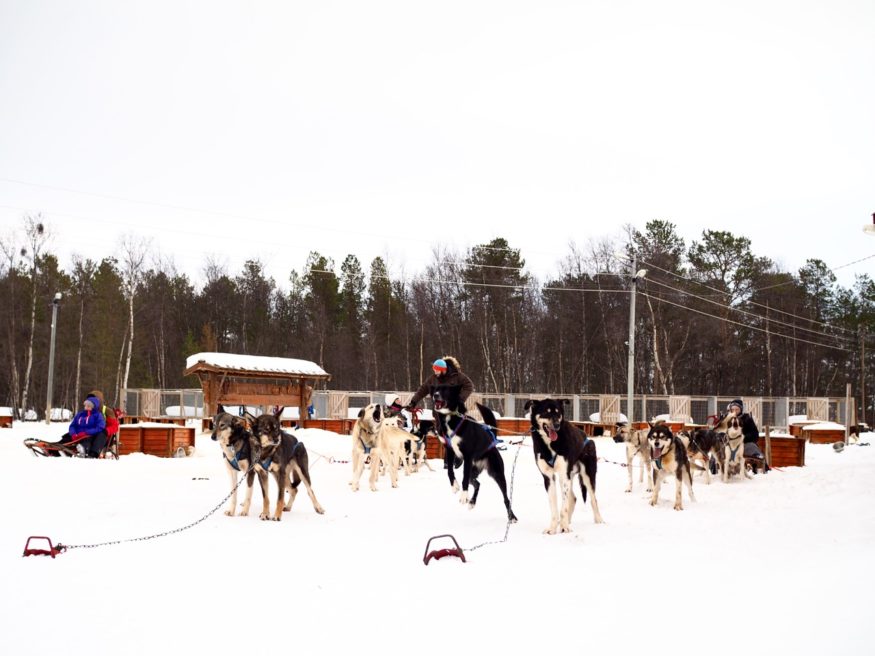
[712, 317]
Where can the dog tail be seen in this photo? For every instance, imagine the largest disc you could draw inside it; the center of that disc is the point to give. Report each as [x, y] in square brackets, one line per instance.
[488, 417]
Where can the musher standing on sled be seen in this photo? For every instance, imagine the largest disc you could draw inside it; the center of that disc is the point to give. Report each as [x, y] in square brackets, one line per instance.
[447, 371]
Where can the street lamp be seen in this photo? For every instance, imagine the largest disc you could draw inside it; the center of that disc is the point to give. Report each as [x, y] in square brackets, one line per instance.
[56, 301]
[637, 274]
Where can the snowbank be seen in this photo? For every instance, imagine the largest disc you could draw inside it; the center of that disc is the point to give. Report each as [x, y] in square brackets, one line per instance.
[190, 411]
[807, 532]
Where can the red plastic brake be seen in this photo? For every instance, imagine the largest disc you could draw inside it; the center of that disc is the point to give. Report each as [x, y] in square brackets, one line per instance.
[51, 551]
[441, 553]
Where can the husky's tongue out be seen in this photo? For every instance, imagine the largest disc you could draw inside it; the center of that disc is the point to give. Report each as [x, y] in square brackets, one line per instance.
[655, 452]
[553, 434]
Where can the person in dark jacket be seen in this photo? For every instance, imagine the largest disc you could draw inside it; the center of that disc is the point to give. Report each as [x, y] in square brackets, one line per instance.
[446, 371]
[749, 430]
[89, 424]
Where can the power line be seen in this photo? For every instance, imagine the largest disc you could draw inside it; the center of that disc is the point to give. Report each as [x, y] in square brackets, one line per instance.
[862, 259]
[614, 291]
[724, 293]
[744, 325]
[751, 314]
[228, 215]
[495, 285]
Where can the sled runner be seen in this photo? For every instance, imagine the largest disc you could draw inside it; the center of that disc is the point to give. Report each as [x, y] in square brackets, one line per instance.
[69, 449]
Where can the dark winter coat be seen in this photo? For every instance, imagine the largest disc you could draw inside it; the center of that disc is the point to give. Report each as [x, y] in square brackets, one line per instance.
[452, 376]
[90, 422]
[748, 428]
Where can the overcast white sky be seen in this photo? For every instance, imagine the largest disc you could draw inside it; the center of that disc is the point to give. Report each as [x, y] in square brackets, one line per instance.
[269, 129]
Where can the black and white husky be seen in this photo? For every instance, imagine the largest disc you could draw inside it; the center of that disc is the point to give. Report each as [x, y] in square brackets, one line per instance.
[472, 442]
[562, 452]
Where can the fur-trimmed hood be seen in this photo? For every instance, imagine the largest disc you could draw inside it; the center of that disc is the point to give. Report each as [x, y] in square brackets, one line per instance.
[452, 364]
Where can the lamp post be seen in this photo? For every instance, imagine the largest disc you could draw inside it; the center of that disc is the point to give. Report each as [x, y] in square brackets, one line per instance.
[56, 301]
[630, 371]
[869, 230]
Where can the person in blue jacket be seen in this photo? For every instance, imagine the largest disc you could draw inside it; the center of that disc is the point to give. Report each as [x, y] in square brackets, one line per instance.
[89, 424]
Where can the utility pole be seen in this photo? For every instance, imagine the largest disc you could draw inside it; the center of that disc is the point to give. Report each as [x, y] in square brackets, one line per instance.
[863, 373]
[56, 301]
[630, 370]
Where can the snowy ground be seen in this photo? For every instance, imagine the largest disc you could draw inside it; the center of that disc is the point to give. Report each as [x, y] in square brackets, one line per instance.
[784, 555]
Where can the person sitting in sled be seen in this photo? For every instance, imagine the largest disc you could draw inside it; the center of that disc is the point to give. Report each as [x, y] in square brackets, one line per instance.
[88, 428]
[750, 431]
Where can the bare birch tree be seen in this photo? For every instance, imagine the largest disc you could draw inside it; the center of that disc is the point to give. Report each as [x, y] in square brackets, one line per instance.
[83, 276]
[10, 253]
[133, 257]
[36, 237]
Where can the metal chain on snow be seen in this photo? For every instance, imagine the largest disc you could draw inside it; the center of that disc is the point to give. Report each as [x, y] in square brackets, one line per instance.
[156, 535]
[509, 496]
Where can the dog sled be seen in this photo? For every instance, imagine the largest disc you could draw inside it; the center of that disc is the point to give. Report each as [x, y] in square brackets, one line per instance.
[73, 448]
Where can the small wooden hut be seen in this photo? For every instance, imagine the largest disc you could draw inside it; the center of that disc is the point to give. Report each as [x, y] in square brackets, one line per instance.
[232, 379]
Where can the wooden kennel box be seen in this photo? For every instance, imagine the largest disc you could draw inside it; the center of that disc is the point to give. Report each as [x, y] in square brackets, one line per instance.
[824, 435]
[339, 426]
[160, 440]
[434, 447]
[511, 426]
[786, 451]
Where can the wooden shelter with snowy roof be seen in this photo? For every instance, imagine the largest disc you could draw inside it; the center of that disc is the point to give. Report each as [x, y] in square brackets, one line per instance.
[231, 379]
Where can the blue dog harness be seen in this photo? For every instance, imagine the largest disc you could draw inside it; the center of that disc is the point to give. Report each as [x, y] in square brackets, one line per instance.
[266, 463]
[448, 439]
[552, 461]
[234, 463]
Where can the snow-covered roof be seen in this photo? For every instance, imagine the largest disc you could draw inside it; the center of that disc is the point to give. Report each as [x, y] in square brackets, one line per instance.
[824, 425]
[597, 418]
[257, 363]
[667, 418]
[5, 412]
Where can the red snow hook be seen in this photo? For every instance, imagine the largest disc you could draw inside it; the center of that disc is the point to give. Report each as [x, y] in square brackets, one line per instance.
[51, 551]
[440, 553]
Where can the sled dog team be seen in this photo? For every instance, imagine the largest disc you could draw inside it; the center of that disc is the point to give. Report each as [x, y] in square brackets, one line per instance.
[257, 446]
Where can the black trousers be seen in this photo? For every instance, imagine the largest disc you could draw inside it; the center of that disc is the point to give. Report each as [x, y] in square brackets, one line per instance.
[92, 444]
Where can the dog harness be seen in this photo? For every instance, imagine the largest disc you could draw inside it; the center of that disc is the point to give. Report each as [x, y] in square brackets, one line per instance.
[266, 463]
[364, 446]
[234, 463]
[732, 451]
[552, 461]
[449, 438]
[658, 461]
